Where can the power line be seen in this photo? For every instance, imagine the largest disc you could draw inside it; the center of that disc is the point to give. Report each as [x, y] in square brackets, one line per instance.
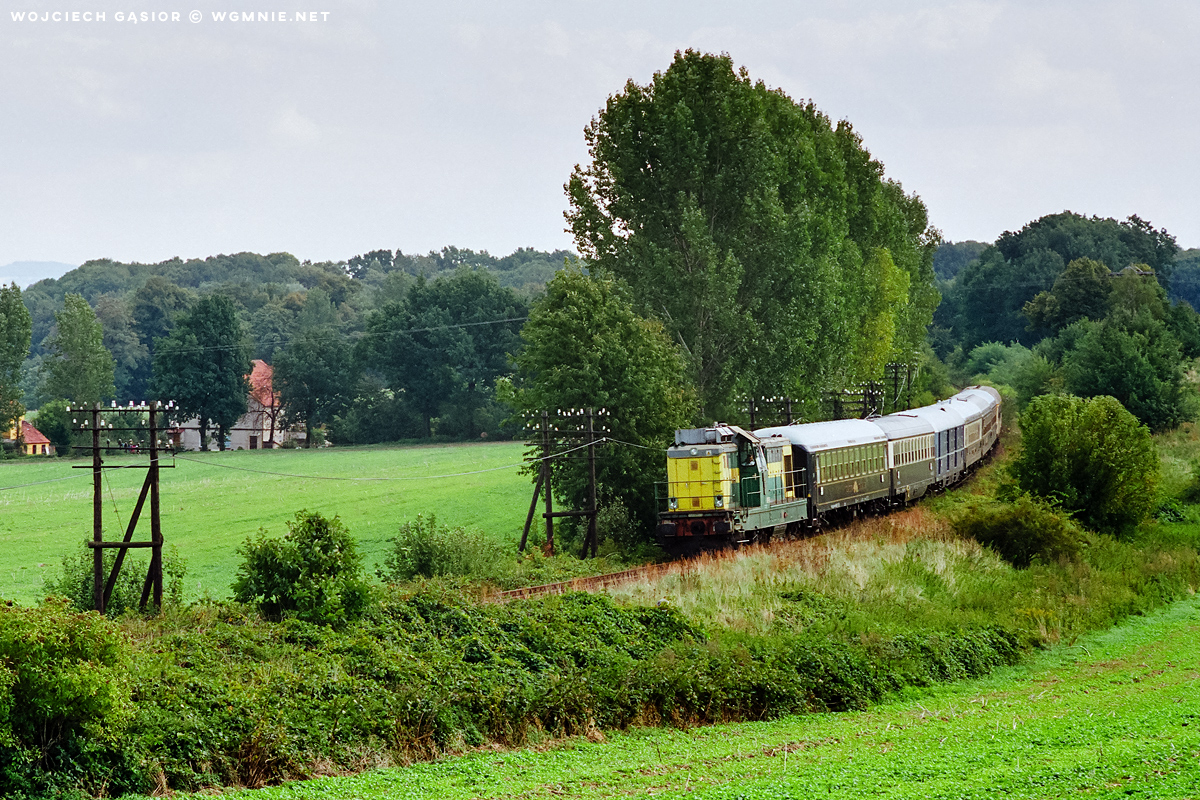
[39, 483]
[356, 335]
[376, 480]
[56, 480]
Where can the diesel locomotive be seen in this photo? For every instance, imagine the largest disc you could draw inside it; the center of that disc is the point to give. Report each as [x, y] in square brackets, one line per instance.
[729, 486]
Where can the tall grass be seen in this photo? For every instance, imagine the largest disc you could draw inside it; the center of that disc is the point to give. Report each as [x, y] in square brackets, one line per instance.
[908, 572]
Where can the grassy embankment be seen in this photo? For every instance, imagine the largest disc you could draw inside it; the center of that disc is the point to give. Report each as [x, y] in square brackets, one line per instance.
[209, 508]
[1115, 715]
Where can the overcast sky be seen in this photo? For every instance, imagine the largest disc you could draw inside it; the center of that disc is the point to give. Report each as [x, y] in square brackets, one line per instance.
[418, 125]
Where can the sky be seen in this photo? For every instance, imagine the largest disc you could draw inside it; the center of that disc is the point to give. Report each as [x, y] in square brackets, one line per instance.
[411, 126]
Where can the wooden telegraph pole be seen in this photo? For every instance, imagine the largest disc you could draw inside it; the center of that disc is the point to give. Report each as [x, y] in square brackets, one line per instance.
[102, 589]
[565, 430]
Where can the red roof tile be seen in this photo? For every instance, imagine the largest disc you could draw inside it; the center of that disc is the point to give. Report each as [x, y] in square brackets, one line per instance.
[32, 435]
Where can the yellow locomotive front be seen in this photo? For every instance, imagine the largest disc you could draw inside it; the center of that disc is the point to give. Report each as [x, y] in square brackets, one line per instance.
[701, 477]
[702, 484]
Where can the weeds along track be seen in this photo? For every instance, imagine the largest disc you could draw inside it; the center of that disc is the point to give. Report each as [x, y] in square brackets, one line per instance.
[595, 582]
[813, 552]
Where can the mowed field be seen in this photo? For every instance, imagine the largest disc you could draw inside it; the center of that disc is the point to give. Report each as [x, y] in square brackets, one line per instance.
[212, 501]
[1117, 714]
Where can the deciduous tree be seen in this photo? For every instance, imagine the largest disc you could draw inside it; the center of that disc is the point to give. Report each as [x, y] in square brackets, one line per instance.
[202, 365]
[447, 342]
[79, 367]
[15, 329]
[315, 376]
[586, 347]
[1091, 456]
[751, 226]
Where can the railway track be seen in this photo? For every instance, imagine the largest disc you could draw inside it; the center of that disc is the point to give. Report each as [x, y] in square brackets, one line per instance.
[595, 582]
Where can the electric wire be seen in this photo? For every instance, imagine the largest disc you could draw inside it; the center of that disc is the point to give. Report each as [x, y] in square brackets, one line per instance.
[378, 480]
[56, 480]
[534, 459]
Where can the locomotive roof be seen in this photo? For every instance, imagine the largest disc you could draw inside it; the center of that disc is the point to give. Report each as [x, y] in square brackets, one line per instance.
[713, 434]
[814, 436]
[903, 425]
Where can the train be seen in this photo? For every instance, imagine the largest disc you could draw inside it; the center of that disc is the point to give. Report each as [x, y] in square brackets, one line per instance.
[727, 486]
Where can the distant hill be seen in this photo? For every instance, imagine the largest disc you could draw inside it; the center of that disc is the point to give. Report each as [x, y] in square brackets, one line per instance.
[25, 273]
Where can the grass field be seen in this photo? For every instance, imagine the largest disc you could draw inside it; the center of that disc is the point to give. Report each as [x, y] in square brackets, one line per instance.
[213, 501]
[1116, 715]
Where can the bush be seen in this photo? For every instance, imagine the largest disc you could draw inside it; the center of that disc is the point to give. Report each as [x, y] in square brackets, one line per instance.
[1092, 457]
[64, 697]
[423, 548]
[1022, 531]
[314, 573]
[75, 582]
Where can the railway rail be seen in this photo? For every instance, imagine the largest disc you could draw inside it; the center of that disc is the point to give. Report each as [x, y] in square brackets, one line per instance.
[594, 582]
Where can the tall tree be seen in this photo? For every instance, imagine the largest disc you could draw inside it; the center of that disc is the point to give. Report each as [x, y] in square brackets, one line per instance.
[746, 222]
[130, 356]
[203, 365]
[79, 367]
[315, 374]
[447, 342]
[586, 347]
[15, 330]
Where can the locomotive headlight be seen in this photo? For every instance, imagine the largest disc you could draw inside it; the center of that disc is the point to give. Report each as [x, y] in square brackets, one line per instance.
[719, 501]
[673, 503]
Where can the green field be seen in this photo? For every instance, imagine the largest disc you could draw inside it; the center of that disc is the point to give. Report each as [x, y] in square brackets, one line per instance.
[1115, 715]
[212, 501]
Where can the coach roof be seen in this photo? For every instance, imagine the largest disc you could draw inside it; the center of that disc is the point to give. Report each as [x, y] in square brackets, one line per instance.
[814, 436]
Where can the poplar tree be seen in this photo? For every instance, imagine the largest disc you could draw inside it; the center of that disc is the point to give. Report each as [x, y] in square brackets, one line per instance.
[79, 367]
[15, 331]
[763, 236]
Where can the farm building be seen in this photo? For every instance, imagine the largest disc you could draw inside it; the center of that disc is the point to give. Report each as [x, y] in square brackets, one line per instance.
[32, 441]
[258, 429]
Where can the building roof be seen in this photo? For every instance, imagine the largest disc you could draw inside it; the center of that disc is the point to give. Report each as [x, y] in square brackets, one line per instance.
[261, 388]
[32, 435]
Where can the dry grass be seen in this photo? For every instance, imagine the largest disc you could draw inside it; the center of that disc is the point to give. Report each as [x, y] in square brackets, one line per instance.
[897, 560]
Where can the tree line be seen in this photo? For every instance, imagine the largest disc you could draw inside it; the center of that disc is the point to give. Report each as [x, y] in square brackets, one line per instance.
[1087, 306]
[381, 347]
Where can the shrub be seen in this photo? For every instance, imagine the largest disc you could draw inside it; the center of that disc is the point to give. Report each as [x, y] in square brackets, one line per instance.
[1090, 456]
[314, 572]
[1022, 531]
[74, 582]
[424, 548]
[64, 696]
